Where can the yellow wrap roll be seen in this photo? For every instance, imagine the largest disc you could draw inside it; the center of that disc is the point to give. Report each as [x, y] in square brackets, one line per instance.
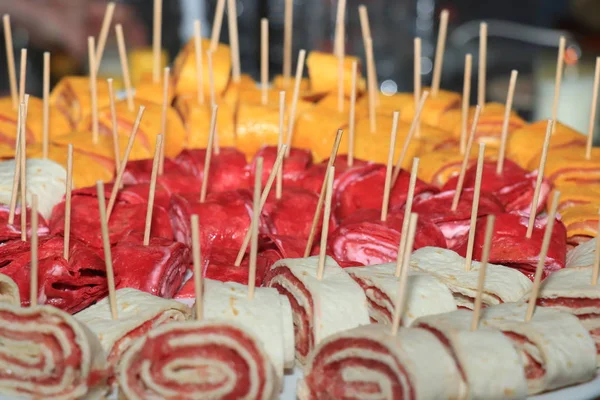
[323, 73]
[72, 97]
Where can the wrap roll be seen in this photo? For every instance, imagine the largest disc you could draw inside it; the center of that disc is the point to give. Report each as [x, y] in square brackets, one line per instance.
[323, 73]
[9, 291]
[72, 97]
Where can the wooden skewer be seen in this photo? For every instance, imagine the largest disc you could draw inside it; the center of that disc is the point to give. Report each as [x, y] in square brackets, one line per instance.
[540, 178]
[407, 211]
[287, 40]
[16, 176]
[371, 86]
[46, 104]
[263, 199]
[387, 186]
[417, 75]
[487, 244]
[33, 274]
[352, 119]
[208, 155]
[340, 38]
[315, 221]
[10, 58]
[115, 128]
[152, 191]
[465, 162]
[23, 173]
[505, 123]
[409, 136]
[326, 216]
[124, 66]
[234, 40]
[475, 206]
[69, 188]
[439, 53]
[592, 123]
[466, 99]
[117, 182]
[560, 63]
[292, 113]
[279, 182]
[108, 15]
[596, 258]
[197, 257]
[365, 29]
[163, 119]
[256, 208]
[93, 89]
[198, 54]
[110, 275]
[481, 81]
[264, 61]
[157, 40]
[542, 257]
[217, 22]
[401, 296]
[22, 75]
[211, 78]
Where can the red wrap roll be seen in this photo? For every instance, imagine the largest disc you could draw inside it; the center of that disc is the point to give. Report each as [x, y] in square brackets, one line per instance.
[8, 231]
[294, 165]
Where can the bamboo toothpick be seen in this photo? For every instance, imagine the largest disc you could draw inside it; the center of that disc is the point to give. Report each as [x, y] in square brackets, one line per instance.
[560, 64]
[263, 199]
[264, 61]
[387, 186]
[115, 128]
[124, 66]
[10, 58]
[33, 273]
[481, 78]
[540, 179]
[287, 40]
[197, 259]
[163, 119]
[198, 56]
[439, 53]
[411, 132]
[365, 29]
[119, 179]
[152, 191]
[340, 51]
[315, 221]
[352, 118]
[475, 207]
[487, 244]
[15, 187]
[417, 70]
[110, 275]
[326, 216]
[292, 113]
[463, 169]
[208, 154]
[93, 89]
[211, 78]
[371, 89]
[217, 22]
[596, 267]
[108, 15]
[466, 101]
[157, 40]
[234, 40]
[505, 123]
[542, 257]
[69, 188]
[22, 75]
[46, 104]
[23, 173]
[407, 211]
[401, 296]
[256, 209]
[592, 122]
[279, 183]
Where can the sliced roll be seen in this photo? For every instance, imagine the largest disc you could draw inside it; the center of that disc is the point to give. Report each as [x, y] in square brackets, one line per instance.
[369, 363]
[320, 307]
[502, 284]
[582, 255]
[45, 353]
[489, 364]
[425, 294]
[207, 359]
[9, 291]
[557, 349]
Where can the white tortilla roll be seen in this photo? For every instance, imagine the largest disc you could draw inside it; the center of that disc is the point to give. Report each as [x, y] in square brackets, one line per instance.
[502, 284]
[320, 307]
[46, 354]
[9, 291]
[207, 359]
[425, 294]
[369, 363]
[582, 255]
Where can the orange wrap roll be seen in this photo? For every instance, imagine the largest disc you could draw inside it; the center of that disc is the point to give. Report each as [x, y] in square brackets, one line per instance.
[569, 165]
[72, 97]
[323, 73]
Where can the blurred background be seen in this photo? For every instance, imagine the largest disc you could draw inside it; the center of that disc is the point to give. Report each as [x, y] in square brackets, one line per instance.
[523, 35]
